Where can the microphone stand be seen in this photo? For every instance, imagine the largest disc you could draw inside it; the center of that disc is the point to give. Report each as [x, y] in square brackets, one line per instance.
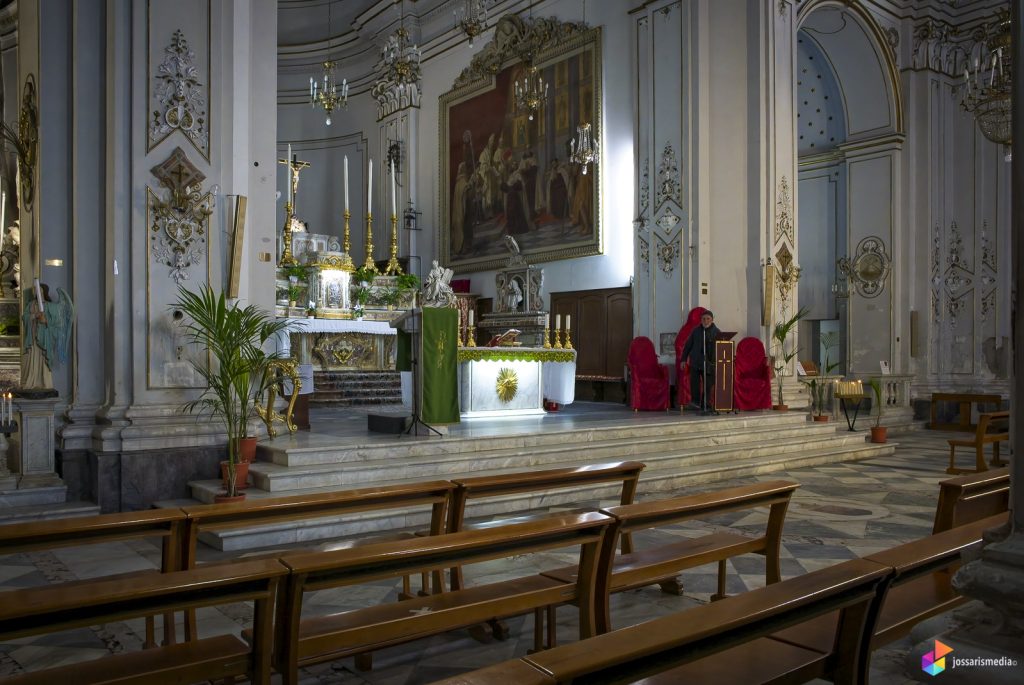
[705, 411]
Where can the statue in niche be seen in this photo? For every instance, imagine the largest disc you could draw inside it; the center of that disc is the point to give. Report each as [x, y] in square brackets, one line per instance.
[47, 329]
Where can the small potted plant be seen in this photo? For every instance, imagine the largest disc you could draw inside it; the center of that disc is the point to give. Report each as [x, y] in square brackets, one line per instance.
[294, 293]
[360, 296]
[783, 355]
[311, 310]
[408, 286]
[817, 385]
[878, 431]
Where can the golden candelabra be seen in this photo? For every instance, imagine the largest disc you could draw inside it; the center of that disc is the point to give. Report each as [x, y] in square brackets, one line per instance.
[393, 265]
[568, 340]
[346, 260]
[369, 264]
[558, 340]
[470, 336]
[547, 338]
[286, 253]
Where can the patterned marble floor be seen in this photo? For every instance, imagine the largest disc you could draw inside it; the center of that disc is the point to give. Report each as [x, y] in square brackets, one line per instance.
[840, 511]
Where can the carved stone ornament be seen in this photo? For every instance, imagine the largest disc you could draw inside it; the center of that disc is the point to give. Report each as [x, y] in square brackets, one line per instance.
[437, 291]
[178, 225]
[784, 213]
[668, 177]
[180, 101]
[668, 255]
[788, 274]
[645, 185]
[519, 290]
[869, 267]
[518, 38]
[645, 254]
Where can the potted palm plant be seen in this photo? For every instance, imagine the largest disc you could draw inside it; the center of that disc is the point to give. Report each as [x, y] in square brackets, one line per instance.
[234, 336]
[783, 355]
[878, 431]
[817, 385]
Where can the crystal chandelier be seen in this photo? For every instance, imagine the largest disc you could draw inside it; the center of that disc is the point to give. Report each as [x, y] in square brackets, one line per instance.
[330, 95]
[472, 19]
[531, 91]
[400, 60]
[987, 87]
[583, 150]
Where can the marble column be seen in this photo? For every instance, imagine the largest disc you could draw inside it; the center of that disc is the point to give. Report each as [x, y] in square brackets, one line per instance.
[992, 627]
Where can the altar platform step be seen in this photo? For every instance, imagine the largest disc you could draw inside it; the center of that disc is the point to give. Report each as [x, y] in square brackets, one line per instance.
[678, 453]
[356, 388]
[41, 512]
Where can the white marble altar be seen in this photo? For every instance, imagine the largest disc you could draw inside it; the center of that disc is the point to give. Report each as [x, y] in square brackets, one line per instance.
[538, 373]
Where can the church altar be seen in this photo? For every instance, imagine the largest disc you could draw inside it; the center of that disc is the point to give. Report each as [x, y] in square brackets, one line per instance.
[341, 344]
[514, 381]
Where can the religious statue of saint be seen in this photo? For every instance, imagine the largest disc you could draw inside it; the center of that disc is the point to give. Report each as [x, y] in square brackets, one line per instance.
[437, 292]
[47, 335]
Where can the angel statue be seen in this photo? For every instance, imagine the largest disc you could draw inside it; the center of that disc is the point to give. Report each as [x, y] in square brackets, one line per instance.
[47, 335]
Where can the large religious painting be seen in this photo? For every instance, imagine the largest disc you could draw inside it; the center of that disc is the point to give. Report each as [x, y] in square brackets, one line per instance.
[507, 173]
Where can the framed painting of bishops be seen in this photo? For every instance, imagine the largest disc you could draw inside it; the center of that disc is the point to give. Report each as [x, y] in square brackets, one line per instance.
[505, 169]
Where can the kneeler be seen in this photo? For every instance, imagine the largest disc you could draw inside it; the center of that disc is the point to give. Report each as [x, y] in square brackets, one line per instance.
[724, 375]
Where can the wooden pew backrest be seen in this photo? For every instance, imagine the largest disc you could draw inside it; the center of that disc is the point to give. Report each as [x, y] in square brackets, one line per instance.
[965, 499]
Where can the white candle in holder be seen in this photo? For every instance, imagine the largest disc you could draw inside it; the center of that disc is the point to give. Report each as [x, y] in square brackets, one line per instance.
[547, 321]
[470, 317]
[558, 321]
[369, 188]
[568, 320]
[394, 211]
[288, 163]
[346, 182]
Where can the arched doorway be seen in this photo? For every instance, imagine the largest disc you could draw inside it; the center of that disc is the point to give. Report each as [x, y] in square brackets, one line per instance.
[849, 134]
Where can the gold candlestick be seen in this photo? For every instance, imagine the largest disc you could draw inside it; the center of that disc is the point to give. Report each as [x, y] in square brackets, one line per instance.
[558, 341]
[286, 252]
[346, 260]
[393, 266]
[369, 264]
[547, 338]
[568, 340]
[470, 337]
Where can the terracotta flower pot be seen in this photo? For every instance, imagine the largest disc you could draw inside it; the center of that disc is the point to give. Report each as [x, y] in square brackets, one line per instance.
[878, 433]
[823, 418]
[247, 449]
[241, 474]
[225, 499]
[780, 407]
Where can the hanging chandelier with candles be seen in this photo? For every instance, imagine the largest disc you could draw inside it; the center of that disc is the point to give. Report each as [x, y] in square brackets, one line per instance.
[583, 149]
[399, 83]
[987, 87]
[531, 91]
[329, 95]
[471, 19]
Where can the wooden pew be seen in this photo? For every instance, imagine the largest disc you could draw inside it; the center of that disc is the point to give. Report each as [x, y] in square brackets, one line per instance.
[968, 498]
[220, 517]
[78, 604]
[724, 642]
[964, 400]
[167, 524]
[481, 487]
[303, 641]
[660, 564]
[921, 585]
[984, 434]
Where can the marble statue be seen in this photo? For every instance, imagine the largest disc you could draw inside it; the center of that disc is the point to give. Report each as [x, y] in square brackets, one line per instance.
[437, 292]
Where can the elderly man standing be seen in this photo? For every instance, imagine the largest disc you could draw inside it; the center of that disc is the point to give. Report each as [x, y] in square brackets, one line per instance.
[700, 351]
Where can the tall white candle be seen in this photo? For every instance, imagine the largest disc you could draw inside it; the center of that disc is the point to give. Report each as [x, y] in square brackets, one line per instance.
[3, 206]
[558, 321]
[394, 211]
[568, 320]
[470, 317]
[288, 162]
[369, 188]
[346, 182]
[547, 321]
[39, 293]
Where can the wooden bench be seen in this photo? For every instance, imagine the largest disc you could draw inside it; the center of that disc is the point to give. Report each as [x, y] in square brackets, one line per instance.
[965, 499]
[222, 517]
[303, 641]
[167, 524]
[965, 400]
[633, 569]
[921, 585]
[723, 642]
[986, 433]
[626, 473]
[78, 604]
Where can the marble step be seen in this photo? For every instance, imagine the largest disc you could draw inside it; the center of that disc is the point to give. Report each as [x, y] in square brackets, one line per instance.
[275, 478]
[288, 451]
[45, 495]
[353, 401]
[42, 512]
[652, 485]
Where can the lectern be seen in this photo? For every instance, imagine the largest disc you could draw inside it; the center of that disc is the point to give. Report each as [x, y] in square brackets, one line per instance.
[431, 337]
[725, 372]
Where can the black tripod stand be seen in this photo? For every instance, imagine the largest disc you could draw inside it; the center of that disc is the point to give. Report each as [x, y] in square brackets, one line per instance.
[416, 383]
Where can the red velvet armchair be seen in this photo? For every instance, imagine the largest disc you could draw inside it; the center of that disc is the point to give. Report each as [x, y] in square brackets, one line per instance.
[648, 380]
[753, 382]
[683, 366]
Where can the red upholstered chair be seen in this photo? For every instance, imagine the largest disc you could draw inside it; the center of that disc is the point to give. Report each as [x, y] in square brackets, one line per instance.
[683, 366]
[753, 382]
[648, 380]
